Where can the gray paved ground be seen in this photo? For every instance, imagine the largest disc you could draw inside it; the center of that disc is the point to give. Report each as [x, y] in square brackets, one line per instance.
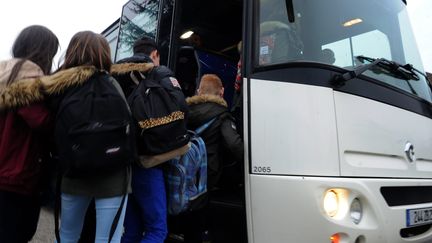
[45, 230]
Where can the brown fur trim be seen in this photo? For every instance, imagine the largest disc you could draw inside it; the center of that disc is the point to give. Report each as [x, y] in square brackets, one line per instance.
[21, 93]
[26, 91]
[129, 67]
[198, 99]
[60, 81]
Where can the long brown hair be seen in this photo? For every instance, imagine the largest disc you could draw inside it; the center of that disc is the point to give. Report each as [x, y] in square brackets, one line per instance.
[88, 48]
[35, 43]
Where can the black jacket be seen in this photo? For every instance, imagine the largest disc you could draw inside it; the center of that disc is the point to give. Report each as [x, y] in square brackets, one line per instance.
[220, 137]
[141, 63]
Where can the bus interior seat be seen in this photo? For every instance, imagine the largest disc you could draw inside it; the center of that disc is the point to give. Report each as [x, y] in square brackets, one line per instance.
[283, 40]
[187, 70]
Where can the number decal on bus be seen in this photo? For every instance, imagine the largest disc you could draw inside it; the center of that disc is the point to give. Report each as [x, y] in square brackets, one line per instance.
[262, 169]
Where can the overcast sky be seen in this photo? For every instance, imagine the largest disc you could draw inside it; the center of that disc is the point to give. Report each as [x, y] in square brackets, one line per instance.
[63, 17]
[66, 17]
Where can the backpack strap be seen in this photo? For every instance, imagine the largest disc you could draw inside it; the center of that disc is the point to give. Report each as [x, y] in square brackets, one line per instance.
[202, 181]
[202, 171]
[57, 206]
[116, 219]
[119, 90]
[203, 127]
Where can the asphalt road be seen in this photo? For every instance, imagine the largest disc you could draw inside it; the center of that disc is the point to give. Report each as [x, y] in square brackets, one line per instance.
[45, 230]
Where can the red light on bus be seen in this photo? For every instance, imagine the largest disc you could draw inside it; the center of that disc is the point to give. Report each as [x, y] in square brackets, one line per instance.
[335, 238]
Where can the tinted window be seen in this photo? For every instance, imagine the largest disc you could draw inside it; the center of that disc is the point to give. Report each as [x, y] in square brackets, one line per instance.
[336, 32]
[139, 18]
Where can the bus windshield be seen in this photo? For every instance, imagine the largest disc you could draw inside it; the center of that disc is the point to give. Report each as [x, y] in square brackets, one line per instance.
[312, 30]
[139, 18]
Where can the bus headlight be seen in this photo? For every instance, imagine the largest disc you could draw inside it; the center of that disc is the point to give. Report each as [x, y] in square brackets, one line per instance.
[336, 203]
[331, 203]
[356, 211]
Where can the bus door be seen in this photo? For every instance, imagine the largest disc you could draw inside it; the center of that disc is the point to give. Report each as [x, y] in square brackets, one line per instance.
[204, 40]
[215, 29]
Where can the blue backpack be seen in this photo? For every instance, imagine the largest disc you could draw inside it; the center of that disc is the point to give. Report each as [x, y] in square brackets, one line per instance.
[186, 175]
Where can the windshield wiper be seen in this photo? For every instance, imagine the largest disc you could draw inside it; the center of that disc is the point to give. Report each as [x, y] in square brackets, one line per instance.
[290, 10]
[391, 68]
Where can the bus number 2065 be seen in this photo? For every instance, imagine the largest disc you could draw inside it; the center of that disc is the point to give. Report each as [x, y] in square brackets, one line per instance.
[261, 169]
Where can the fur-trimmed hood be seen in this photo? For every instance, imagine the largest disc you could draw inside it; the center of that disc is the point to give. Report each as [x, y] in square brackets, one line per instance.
[202, 108]
[126, 76]
[138, 62]
[26, 91]
[199, 99]
[124, 68]
[28, 70]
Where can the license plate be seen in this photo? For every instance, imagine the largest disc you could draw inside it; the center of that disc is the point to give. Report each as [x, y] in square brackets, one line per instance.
[418, 216]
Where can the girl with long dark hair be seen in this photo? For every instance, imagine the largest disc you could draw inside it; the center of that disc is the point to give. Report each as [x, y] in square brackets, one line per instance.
[24, 123]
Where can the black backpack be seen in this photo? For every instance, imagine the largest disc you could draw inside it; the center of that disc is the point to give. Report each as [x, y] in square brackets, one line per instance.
[93, 129]
[161, 124]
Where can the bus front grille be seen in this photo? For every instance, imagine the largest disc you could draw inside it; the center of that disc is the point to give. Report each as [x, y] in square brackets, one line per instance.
[414, 231]
[407, 195]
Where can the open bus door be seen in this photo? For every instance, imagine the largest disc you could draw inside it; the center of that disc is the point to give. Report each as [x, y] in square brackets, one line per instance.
[212, 48]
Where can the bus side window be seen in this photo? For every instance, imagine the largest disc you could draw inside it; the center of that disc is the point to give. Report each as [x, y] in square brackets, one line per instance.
[187, 70]
[279, 43]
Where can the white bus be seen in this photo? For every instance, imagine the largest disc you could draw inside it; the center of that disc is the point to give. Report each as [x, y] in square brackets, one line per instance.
[336, 114]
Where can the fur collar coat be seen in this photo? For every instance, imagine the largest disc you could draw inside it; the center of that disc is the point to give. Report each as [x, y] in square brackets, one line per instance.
[28, 89]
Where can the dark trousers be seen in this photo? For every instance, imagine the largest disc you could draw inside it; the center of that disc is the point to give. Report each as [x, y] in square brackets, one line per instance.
[19, 215]
[191, 225]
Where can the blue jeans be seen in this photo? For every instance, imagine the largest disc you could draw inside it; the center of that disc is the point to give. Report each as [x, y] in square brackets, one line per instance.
[73, 210]
[146, 210]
